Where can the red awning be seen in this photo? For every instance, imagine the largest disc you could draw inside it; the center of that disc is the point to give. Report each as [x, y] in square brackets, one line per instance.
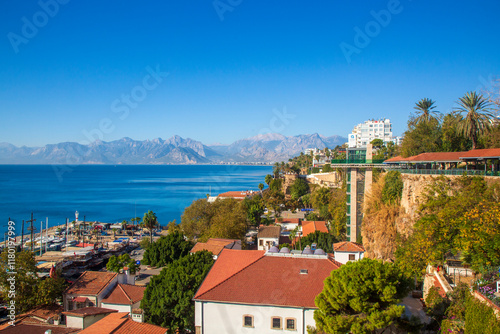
[80, 299]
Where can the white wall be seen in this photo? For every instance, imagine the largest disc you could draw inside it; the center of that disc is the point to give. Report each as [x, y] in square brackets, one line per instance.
[74, 322]
[220, 318]
[343, 257]
[118, 307]
[272, 241]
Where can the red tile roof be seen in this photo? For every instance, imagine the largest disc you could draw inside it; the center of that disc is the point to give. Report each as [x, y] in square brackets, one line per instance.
[348, 246]
[45, 312]
[92, 310]
[313, 226]
[234, 261]
[91, 283]
[482, 153]
[449, 156]
[265, 280]
[215, 246]
[236, 194]
[24, 328]
[287, 221]
[125, 294]
[201, 246]
[120, 323]
[269, 232]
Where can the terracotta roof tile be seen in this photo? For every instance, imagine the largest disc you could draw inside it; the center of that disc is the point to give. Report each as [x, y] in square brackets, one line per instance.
[482, 153]
[287, 221]
[201, 246]
[348, 246]
[269, 232]
[309, 227]
[120, 323]
[23, 328]
[125, 294]
[91, 283]
[448, 156]
[267, 280]
[236, 194]
[92, 310]
[234, 261]
[46, 311]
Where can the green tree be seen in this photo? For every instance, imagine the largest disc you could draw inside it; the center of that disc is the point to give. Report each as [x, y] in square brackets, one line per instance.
[421, 137]
[117, 263]
[268, 179]
[452, 140]
[50, 290]
[261, 187]
[425, 111]
[327, 168]
[477, 116]
[361, 297]
[25, 279]
[393, 187]
[255, 209]
[166, 250]
[323, 240]
[168, 299]
[299, 188]
[150, 222]
[377, 143]
[224, 218]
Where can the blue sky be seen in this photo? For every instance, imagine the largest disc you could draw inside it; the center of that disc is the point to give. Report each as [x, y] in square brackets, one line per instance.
[235, 67]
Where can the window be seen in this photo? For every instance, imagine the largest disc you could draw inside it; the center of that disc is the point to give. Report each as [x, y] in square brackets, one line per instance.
[290, 324]
[351, 257]
[261, 242]
[248, 321]
[276, 323]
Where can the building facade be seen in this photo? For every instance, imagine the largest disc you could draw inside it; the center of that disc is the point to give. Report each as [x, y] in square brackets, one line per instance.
[364, 133]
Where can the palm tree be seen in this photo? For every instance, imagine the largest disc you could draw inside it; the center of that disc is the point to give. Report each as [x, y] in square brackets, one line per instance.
[425, 112]
[477, 116]
[261, 186]
[150, 221]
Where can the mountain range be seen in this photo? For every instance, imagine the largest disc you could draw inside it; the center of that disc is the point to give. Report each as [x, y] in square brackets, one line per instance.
[266, 148]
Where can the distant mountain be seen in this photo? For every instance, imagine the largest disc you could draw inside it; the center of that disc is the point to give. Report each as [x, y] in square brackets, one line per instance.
[275, 147]
[175, 150]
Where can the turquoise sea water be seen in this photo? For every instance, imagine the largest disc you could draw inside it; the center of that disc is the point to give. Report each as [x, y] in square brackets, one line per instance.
[109, 193]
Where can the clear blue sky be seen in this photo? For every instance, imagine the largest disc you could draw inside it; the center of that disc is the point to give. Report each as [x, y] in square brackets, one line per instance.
[232, 68]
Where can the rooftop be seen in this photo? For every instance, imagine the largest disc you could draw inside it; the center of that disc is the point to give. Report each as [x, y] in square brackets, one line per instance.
[86, 311]
[272, 280]
[309, 227]
[120, 323]
[91, 283]
[125, 294]
[348, 246]
[269, 232]
[215, 246]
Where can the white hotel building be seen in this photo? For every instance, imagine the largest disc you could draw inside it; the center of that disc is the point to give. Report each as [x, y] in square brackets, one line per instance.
[364, 133]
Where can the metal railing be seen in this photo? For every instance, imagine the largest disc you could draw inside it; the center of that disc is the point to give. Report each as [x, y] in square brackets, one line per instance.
[357, 161]
[444, 171]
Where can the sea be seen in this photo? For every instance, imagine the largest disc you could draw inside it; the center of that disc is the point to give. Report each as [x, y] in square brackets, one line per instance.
[113, 193]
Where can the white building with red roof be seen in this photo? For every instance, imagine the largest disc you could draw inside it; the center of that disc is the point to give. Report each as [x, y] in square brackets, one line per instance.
[346, 251]
[259, 292]
[124, 298]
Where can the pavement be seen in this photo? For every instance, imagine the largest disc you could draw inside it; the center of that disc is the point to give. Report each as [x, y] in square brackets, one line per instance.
[414, 307]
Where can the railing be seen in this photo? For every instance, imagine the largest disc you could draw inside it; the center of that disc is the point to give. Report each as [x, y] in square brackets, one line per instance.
[444, 171]
[357, 161]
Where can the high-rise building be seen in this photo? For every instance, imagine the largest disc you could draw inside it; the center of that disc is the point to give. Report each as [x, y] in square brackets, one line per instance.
[364, 133]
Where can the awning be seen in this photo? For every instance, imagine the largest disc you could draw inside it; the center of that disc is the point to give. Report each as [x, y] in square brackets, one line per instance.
[80, 299]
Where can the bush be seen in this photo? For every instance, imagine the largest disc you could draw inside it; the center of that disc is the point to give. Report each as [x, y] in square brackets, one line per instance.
[393, 187]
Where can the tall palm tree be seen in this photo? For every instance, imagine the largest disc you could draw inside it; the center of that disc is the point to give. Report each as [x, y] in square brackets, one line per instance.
[477, 116]
[425, 111]
[150, 221]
